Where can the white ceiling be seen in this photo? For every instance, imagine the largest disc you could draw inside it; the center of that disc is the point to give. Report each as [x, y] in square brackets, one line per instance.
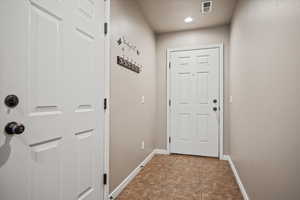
[169, 15]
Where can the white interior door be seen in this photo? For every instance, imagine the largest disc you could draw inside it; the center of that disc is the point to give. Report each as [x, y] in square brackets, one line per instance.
[194, 109]
[52, 59]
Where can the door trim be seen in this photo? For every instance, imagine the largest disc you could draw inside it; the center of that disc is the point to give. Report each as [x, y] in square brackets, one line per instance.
[107, 96]
[221, 92]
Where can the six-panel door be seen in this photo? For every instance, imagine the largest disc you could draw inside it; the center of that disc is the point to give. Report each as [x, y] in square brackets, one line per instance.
[194, 89]
[52, 58]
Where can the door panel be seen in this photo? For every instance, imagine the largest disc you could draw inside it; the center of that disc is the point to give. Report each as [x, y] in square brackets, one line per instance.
[201, 87]
[202, 127]
[194, 86]
[52, 58]
[46, 170]
[45, 61]
[85, 65]
[183, 124]
[86, 17]
[184, 94]
[86, 161]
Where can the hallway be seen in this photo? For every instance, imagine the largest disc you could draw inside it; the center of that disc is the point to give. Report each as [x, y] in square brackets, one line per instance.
[179, 177]
[150, 100]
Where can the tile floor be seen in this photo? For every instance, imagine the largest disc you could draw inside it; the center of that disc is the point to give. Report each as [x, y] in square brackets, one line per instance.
[181, 177]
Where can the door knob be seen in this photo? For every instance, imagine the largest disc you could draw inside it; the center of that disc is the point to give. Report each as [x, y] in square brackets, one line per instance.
[215, 109]
[215, 101]
[14, 128]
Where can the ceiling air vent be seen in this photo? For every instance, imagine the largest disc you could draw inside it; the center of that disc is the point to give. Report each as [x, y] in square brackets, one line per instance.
[206, 6]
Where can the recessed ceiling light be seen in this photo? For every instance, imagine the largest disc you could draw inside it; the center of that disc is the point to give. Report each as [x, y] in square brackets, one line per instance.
[188, 19]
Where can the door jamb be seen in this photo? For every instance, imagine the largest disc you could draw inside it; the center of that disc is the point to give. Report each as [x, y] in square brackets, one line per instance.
[221, 93]
[107, 96]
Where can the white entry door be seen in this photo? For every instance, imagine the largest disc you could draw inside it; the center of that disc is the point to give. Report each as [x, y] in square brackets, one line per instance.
[194, 109]
[52, 59]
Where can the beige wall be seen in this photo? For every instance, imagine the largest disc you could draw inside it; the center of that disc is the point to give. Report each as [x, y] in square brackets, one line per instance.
[265, 113]
[192, 38]
[131, 121]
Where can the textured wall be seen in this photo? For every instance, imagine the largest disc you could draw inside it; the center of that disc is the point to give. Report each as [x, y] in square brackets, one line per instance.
[131, 121]
[191, 38]
[265, 113]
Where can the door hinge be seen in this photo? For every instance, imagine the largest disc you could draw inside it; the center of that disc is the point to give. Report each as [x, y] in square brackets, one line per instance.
[104, 179]
[169, 139]
[105, 103]
[105, 28]
[170, 102]
[169, 65]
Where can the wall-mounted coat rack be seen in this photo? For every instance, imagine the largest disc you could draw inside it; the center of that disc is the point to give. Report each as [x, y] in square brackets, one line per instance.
[122, 41]
[128, 65]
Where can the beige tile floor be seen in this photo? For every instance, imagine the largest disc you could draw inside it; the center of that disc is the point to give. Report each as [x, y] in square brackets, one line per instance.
[181, 177]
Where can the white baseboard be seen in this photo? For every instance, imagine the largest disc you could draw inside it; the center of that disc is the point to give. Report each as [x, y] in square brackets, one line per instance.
[225, 157]
[161, 151]
[131, 176]
[237, 177]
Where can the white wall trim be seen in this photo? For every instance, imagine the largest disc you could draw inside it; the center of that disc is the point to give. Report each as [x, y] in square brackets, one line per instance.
[107, 96]
[237, 177]
[161, 151]
[135, 172]
[168, 98]
[130, 177]
[221, 92]
[226, 157]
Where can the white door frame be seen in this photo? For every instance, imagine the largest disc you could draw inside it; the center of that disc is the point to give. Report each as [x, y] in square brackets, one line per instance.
[221, 91]
[107, 96]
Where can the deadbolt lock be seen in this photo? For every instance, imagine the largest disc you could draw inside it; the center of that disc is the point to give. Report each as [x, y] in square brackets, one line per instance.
[11, 101]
